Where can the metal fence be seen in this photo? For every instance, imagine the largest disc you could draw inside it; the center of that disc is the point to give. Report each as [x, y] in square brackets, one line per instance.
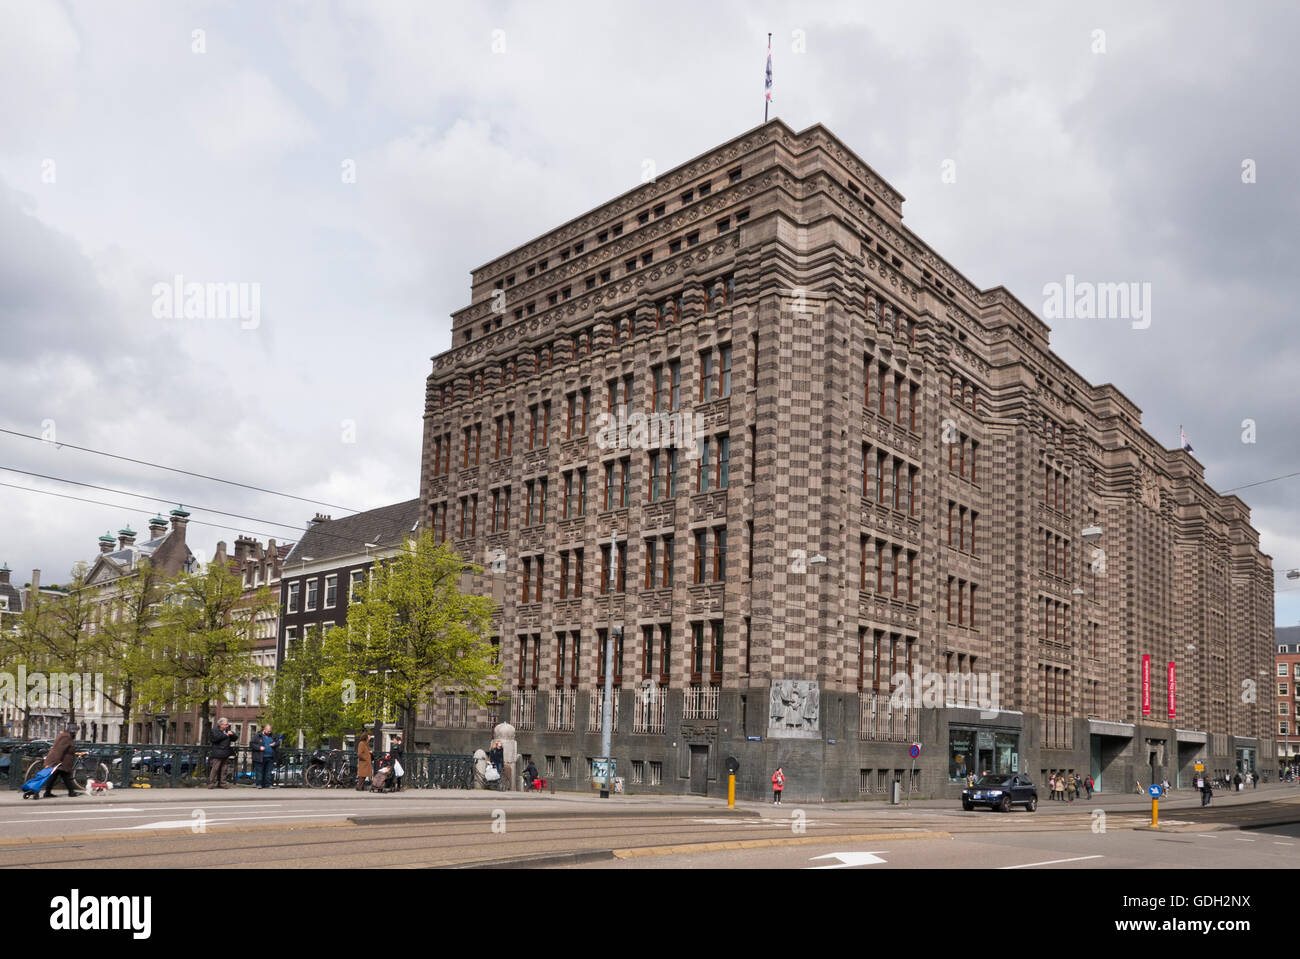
[129, 765]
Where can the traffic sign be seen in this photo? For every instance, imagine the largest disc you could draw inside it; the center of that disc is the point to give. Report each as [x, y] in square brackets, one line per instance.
[1199, 767]
[914, 750]
[1155, 790]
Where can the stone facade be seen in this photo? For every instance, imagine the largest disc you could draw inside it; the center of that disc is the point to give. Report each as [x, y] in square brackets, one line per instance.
[913, 484]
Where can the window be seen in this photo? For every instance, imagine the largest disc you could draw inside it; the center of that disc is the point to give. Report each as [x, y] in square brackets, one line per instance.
[356, 587]
[719, 554]
[705, 189]
[724, 461]
[331, 590]
[654, 483]
[718, 646]
[733, 175]
[672, 473]
[1282, 669]
[649, 552]
[701, 551]
[692, 238]
[668, 562]
[291, 605]
[313, 586]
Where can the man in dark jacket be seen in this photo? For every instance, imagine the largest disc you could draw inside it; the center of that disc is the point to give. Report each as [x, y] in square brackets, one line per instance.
[222, 750]
[62, 756]
[264, 746]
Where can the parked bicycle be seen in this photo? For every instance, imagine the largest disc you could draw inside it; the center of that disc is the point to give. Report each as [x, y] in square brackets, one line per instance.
[86, 768]
[330, 767]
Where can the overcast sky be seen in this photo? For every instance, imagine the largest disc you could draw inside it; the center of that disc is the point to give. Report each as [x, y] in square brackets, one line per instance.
[133, 150]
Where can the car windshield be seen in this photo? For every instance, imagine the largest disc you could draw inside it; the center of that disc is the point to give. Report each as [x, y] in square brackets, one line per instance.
[992, 780]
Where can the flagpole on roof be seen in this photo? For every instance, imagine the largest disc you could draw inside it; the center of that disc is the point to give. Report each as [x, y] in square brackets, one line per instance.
[767, 84]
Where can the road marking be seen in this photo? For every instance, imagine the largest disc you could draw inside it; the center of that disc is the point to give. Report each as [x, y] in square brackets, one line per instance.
[189, 823]
[1050, 862]
[141, 809]
[1284, 844]
[849, 859]
[1241, 839]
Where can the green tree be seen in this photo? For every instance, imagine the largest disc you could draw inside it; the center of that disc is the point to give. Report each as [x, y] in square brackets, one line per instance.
[204, 641]
[303, 699]
[133, 617]
[54, 636]
[412, 632]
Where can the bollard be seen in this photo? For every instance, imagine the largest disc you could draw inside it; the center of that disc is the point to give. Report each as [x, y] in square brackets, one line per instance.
[731, 791]
[1155, 813]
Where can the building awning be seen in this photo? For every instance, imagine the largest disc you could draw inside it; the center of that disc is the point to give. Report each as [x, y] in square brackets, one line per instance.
[1191, 736]
[1097, 727]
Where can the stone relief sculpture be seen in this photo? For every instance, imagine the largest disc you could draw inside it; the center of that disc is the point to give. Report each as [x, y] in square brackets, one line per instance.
[795, 709]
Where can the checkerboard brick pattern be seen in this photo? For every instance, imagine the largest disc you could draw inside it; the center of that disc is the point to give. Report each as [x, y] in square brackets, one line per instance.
[883, 415]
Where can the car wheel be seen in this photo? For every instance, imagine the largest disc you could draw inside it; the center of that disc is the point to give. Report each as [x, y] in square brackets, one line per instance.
[1032, 805]
[1005, 804]
[966, 806]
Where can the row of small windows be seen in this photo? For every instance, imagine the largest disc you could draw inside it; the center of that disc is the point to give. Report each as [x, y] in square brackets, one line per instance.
[1056, 553]
[715, 368]
[962, 452]
[709, 565]
[892, 395]
[706, 655]
[963, 393]
[719, 294]
[889, 480]
[889, 319]
[722, 226]
[963, 592]
[1056, 489]
[887, 569]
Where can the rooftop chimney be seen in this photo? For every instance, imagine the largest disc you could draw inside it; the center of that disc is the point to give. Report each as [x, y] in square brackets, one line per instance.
[4, 574]
[125, 537]
[157, 527]
[106, 543]
[318, 519]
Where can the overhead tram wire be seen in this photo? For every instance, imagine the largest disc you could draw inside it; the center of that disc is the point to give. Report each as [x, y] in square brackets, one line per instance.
[174, 469]
[156, 499]
[233, 529]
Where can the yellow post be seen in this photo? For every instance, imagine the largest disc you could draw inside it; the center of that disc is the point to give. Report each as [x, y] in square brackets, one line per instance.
[1155, 813]
[731, 791]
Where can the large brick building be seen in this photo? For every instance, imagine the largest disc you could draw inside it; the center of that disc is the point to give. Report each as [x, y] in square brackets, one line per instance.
[1287, 701]
[888, 472]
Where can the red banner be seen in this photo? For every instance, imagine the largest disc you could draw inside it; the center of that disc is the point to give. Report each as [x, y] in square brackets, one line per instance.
[1146, 685]
[1172, 690]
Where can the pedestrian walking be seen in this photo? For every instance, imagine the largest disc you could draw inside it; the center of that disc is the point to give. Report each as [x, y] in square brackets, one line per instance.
[1164, 785]
[1207, 790]
[264, 746]
[778, 786]
[62, 756]
[223, 738]
[1236, 782]
[497, 756]
[1254, 780]
[1087, 784]
[399, 769]
[1071, 787]
[365, 766]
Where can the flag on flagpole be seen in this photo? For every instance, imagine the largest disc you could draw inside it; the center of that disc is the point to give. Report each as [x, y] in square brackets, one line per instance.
[767, 82]
[1183, 436]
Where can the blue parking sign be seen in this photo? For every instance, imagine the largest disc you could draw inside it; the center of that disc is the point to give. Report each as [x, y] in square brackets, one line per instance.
[1155, 791]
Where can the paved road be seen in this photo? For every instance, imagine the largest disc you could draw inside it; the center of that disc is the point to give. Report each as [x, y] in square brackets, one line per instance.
[1277, 848]
[332, 828]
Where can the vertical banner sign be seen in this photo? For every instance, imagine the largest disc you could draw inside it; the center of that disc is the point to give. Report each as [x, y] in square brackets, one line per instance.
[1146, 685]
[1172, 690]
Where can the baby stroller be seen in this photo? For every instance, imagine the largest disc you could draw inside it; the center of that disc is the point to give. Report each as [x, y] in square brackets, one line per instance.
[383, 781]
[32, 788]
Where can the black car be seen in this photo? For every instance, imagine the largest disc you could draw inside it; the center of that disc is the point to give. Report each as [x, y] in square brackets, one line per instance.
[1001, 792]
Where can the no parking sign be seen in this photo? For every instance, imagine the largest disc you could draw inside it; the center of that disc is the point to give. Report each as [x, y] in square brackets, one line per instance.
[914, 750]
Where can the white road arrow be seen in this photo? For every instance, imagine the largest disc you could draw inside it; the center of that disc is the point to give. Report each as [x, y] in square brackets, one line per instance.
[847, 859]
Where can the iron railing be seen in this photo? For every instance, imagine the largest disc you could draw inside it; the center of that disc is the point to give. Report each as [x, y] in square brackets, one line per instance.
[134, 764]
[880, 721]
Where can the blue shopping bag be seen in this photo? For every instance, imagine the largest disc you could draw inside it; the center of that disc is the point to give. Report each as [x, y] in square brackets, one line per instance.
[37, 782]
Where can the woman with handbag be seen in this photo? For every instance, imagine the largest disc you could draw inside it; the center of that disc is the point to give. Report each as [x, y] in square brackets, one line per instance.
[365, 769]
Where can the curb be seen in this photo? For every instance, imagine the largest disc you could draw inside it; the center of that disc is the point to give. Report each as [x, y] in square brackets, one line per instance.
[161, 833]
[457, 817]
[528, 862]
[642, 851]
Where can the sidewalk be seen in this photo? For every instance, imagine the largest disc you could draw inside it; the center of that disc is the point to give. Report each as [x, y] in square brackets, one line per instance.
[1177, 799]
